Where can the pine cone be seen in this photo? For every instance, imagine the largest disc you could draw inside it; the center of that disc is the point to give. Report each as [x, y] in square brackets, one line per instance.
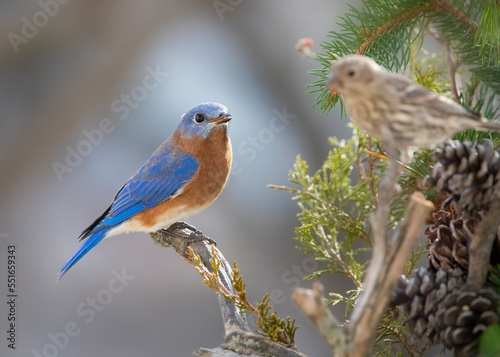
[422, 295]
[470, 173]
[463, 316]
[434, 303]
[449, 241]
[438, 309]
[448, 244]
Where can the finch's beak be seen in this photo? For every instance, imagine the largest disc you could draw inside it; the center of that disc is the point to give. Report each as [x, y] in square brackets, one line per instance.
[223, 118]
[332, 82]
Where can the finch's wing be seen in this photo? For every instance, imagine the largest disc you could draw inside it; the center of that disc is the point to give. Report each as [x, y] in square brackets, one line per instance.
[412, 94]
[160, 178]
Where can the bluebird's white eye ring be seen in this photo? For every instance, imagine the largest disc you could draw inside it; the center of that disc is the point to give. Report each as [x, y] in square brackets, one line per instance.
[199, 118]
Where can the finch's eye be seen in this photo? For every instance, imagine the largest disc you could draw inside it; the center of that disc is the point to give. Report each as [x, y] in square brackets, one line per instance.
[351, 73]
[199, 118]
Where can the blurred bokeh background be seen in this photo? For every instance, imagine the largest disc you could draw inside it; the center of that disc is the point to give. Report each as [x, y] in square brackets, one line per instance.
[68, 68]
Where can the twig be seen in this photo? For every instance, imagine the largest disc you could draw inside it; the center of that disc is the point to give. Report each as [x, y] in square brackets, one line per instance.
[245, 344]
[343, 216]
[452, 63]
[312, 304]
[270, 325]
[480, 249]
[239, 340]
[389, 259]
[452, 72]
[384, 272]
[385, 27]
[465, 21]
[338, 259]
[380, 220]
[178, 239]
[213, 280]
[304, 45]
[412, 350]
[434, 5]
[371, 164]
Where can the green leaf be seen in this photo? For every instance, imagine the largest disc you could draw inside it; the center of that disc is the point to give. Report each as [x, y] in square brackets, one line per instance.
[489, 345]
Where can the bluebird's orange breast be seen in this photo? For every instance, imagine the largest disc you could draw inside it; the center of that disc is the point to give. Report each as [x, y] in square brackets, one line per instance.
[214, 155]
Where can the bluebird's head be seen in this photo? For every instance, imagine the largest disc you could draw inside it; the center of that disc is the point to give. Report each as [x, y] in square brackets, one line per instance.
[203, 119]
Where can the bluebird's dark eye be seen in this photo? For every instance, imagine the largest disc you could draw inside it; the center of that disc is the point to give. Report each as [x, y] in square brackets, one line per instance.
[351, 73]
[199, 118]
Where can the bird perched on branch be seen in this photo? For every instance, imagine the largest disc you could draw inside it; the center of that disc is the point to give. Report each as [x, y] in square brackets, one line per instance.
[180, 179]
[394, 110]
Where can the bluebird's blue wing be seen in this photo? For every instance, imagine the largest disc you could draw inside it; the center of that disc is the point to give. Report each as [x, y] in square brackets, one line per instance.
[161, 177]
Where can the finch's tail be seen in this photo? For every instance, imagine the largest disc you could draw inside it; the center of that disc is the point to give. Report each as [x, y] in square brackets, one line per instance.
[90, 243]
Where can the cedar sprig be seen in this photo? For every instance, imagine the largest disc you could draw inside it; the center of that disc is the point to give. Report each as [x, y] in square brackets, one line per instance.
[267, 320]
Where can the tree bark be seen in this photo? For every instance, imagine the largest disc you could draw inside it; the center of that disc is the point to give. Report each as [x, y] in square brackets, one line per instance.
[239, 339]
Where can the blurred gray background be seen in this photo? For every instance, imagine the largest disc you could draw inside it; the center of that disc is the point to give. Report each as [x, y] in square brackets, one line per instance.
[67, 75]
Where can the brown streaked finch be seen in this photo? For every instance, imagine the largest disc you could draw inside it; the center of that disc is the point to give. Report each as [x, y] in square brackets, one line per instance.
[396, 111]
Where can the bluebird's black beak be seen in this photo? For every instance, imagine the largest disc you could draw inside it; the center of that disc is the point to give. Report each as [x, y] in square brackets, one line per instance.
[223, 118]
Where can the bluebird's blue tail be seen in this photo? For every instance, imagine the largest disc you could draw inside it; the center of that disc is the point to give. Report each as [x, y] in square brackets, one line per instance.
[90, 243]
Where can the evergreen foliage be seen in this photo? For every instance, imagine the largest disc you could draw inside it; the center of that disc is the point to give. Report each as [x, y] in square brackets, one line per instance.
[267, 321]
[335, 203]
[386, 30]
[337, 200]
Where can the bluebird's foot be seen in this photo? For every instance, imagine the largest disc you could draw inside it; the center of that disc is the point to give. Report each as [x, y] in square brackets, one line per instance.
[195, 236]
[182, 225]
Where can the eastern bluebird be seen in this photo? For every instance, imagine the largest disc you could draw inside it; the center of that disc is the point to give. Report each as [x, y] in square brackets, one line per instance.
[182, 178]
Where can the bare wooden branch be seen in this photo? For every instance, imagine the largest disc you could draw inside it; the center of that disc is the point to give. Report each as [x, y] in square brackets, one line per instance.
[217, 352]
[177, 238]
[248, 344]
[383, 274]
[452, 59]
[453, 64]
[389, 258]
[239, 339]
[480, 248]
[380, 219]
[312, 304]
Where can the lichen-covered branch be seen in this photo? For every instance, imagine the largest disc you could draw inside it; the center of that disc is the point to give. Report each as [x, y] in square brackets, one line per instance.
[239, 339]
